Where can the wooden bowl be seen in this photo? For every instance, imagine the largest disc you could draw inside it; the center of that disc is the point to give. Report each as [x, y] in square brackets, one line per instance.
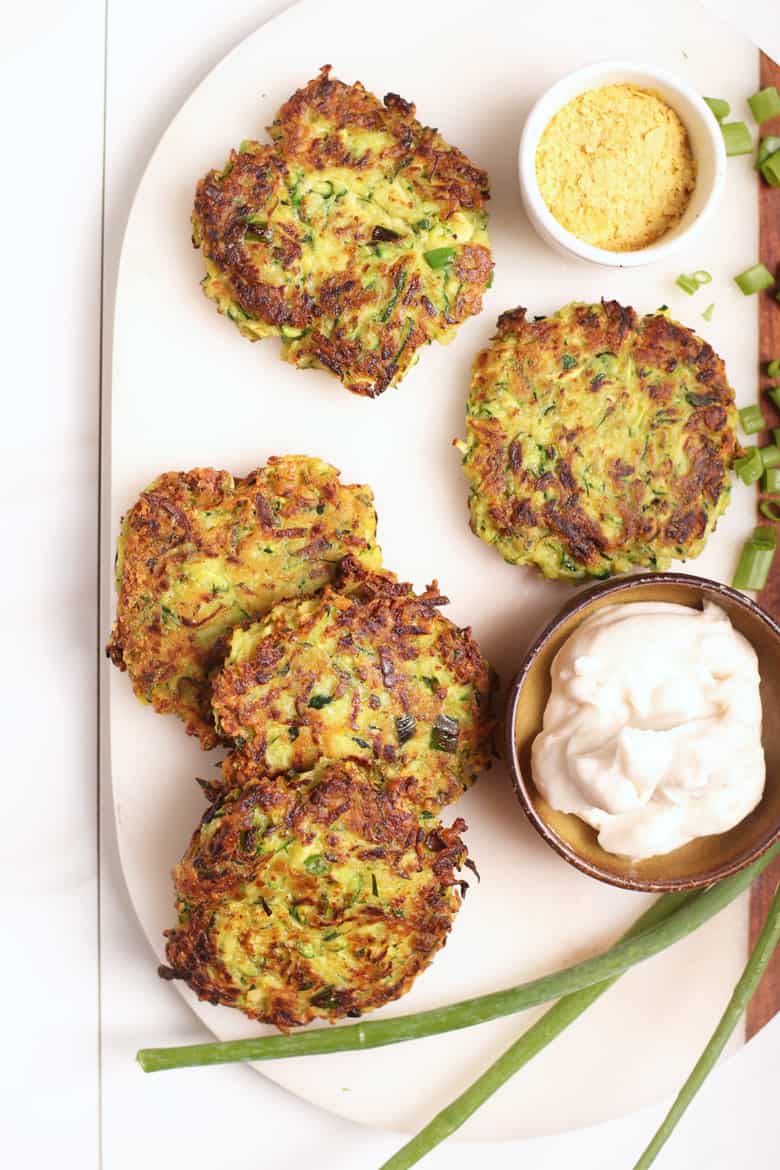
[707, 859]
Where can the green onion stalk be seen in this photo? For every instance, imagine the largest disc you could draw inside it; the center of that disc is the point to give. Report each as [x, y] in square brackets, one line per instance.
[689, 916]
[743, 993]
[565, 1012]
[554, 1021]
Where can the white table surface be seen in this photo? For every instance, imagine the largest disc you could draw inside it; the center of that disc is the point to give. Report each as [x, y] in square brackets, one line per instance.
[86, 89]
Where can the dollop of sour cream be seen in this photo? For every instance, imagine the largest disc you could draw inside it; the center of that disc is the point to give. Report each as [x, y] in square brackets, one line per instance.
[652, 732]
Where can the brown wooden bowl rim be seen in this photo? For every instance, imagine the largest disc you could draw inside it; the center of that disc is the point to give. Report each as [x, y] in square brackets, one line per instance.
[580, 601]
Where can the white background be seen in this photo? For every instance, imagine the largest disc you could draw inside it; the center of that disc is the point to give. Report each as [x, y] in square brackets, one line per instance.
[84, 95]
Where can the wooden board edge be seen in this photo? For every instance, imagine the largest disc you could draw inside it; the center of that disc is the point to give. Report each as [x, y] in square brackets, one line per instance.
[766, 1002]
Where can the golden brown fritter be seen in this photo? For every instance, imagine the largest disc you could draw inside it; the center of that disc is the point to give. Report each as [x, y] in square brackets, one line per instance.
[202, 552]
[598, 440]
[365, 670]
[357, 237]
[320, 900]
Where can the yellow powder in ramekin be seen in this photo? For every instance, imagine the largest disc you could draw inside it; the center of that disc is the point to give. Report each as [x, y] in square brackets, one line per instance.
[615, 167]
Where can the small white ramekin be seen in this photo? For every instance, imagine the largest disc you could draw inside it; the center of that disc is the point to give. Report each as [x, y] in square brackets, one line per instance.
[706, 142]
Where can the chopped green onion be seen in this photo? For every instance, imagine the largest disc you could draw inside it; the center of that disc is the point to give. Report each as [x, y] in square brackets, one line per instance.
[707, 314]
[770, 456]
[317, 702]
[776, 436]
[750, 467]
[756, 560]
[687, 284]
[771, 510]
[405, 727]
[719, 106]
[771, 482]
[754, 279]
[773, 368]
[766, 147]
[771, 169]
[751, 419]
[439, 257]
[444, 734]
[743, 993]
[315, 864]
[773, 394]
[765, 104]
[736, 137]
[691, 283]
[698, 400]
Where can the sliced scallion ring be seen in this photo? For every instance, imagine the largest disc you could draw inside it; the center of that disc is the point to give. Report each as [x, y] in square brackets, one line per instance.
[690, 283]
[750, 466]
[770, 510]
[771, 481]
[765, 104]
[766, 146]
[687, 284]
[754, 279]
[707, 314]
[764, 537]
[773, 368]
[771, 169]
[751, 419]
[770, 456]
[719, 106]
[737, 138]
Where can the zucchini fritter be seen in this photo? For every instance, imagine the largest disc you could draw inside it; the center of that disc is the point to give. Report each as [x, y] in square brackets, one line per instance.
[366, 670]
[320, 900]
[598, 440]
[201, 552]
[357, 237]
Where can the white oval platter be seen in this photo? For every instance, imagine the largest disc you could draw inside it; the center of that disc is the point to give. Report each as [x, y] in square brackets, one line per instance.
[188, 391]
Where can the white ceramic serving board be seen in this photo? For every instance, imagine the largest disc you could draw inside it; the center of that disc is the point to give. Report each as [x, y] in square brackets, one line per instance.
[188, 390]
